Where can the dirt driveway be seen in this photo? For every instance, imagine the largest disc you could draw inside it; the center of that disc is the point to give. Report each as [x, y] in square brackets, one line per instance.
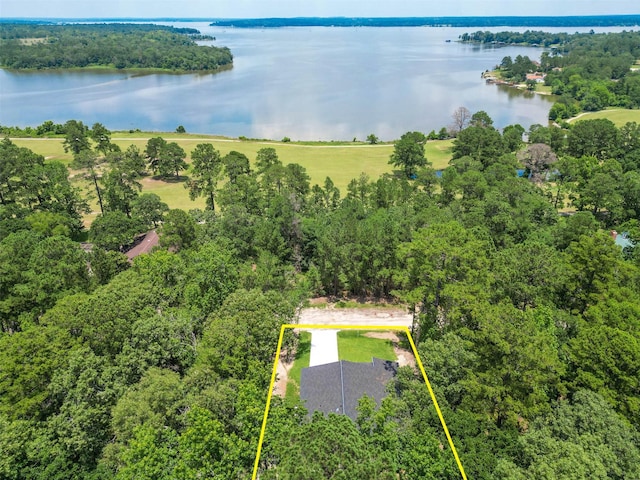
[330, 315]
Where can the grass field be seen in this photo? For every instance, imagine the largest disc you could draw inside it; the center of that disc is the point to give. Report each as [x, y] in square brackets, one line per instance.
[618, 116]
[354, 346]
[342, 161]
[303, 355]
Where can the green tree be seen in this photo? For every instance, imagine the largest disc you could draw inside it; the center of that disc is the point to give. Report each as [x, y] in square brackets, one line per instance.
[85, 390]
[591, 264]
[205, 173]
[121, 188]
[308, 457]
[172, 159]
[155, 401]
[76, 138]
[150, 455]
[106, 264]
[239, 339]
[113, 230]
[482, 143]
[153, 152]
[481, 119]
[408, 153]
[149, 210]
[57, 267]
[582, 438]
[597, 138]
[606, 360]
[50, 224]
[441, 261]
[104, 319]
[236, 164]
[528, 274]
[88, 160]
[178, 230]
[517, 370]
[271, 172]
[512, 136]
[372, 139]
[29, 360]
[102, 137]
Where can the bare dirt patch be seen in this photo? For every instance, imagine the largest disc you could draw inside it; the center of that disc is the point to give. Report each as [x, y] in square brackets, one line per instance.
[393, 316]
[282, 377]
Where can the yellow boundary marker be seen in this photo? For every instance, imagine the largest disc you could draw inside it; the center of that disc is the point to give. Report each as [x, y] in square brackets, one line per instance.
[351, 327]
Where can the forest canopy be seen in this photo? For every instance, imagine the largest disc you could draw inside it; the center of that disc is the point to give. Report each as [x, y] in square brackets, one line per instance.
[120, 46]
[525, 308]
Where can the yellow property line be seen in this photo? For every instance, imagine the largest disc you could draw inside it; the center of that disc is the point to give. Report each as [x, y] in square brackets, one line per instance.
[351, 327]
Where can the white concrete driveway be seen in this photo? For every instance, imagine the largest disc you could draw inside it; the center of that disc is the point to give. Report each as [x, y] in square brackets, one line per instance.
[324, 347]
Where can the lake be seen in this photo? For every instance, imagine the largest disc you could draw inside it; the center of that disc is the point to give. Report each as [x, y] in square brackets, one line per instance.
[303, 83]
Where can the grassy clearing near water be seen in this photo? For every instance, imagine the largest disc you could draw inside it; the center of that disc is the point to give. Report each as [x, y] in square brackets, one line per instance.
[619, 116]
[341, 161]
[355, 346]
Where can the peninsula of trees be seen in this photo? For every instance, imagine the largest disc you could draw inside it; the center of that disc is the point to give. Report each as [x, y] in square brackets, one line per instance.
[118, 46]
[587, 71]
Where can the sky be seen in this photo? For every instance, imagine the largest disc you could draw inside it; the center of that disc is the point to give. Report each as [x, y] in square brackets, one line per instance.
[308, 8]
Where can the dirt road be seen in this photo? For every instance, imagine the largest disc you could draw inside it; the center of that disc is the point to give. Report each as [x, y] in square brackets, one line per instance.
[397, 317]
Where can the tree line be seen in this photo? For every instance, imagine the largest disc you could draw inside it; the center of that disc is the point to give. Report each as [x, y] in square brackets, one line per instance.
[588, 71]
[120, 46]
[526, 320]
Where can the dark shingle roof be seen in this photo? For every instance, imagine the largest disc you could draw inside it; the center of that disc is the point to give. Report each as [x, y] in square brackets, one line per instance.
[320, 386]
[337, 387]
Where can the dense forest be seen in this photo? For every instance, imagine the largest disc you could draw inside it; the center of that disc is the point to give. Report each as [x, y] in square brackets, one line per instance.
[28, 46]
[588, 71]
[526, 311]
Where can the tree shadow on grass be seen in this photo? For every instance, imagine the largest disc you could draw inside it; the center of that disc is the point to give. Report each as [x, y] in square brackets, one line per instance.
[171, 179]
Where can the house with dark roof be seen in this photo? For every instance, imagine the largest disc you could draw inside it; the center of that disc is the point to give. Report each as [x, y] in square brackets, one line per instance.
[143, 244]
[337, 387]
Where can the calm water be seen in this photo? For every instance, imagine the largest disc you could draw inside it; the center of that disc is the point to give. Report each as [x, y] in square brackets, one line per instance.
[304, 83]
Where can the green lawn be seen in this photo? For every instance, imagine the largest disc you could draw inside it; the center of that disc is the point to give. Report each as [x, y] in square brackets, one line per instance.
[354, 346]
[618, 116]
[301, 361]
[546, 89]
[342, 161]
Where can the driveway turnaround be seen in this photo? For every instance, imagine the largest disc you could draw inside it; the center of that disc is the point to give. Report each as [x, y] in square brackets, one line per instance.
[324, 347]
[397, 317]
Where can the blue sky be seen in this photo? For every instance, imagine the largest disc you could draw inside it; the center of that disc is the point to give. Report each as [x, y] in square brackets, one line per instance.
[320, 8]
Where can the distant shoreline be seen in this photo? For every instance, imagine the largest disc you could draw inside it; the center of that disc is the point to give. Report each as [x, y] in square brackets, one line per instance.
[469, 22]
[451, 21]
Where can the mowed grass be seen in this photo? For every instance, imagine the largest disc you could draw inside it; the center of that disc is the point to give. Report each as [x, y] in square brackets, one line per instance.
[303, 356]
[341, 162]
[355, 346]
[618, 116]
